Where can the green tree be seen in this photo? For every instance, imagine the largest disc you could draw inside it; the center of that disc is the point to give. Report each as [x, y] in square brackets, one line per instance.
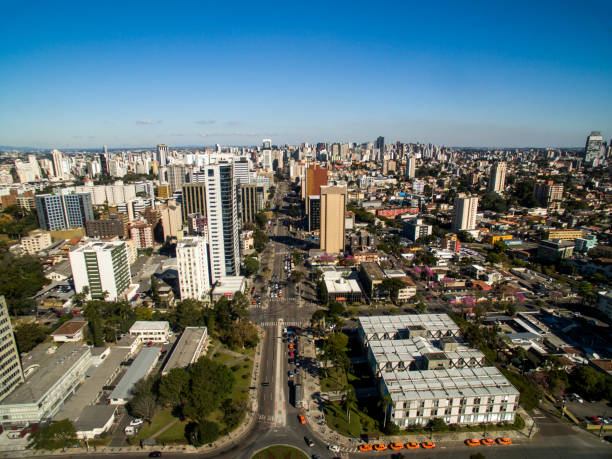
[22, 277]
[261, 219]
[189, 313]
[203, 432]
[317, 317]
[29, 335]
[260, 240]
[144, 405]
[297, 257]
[393, 285]
[349, 400]
[386, 402]
[172, 387]
[335, 308]
[56, 435]
[155, 290]
[251, 266]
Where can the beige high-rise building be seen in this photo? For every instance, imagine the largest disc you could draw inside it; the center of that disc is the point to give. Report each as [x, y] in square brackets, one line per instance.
[464, 217]
[333, 208]
[410, 167]
[497, 179]
[172, 219]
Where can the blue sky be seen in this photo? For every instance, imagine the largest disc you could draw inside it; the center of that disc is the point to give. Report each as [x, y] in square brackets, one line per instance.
[455, 73]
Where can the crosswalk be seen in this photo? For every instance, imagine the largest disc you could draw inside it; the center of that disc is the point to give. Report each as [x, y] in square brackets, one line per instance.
[274, 323]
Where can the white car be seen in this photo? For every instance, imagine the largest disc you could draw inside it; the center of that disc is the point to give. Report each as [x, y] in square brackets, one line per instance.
[334, 448]
[136, 422]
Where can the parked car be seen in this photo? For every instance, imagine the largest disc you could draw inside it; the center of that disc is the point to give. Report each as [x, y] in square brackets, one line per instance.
[309, 442]
[136, 422]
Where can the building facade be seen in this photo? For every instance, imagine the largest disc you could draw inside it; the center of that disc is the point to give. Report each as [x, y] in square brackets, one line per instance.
[56, 212]
[194, 199]
[252, 198]
[102, 267]
[333, 209]
[464, 214]
[10, 365]
[497, 179]
[223, 225]
[192, 262]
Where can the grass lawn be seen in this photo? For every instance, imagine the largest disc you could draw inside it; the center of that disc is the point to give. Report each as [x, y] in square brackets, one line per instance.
[359, 424]
[222, 357]
[174, 434]
[280, 452]
[335, 380]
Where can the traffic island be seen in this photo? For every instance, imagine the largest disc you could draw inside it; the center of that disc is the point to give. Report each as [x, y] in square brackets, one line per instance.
[280, 452]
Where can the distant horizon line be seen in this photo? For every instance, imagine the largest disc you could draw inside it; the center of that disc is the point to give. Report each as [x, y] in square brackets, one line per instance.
[466, 147]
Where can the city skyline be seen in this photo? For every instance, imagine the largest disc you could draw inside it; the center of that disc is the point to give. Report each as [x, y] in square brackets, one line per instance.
[483, 76]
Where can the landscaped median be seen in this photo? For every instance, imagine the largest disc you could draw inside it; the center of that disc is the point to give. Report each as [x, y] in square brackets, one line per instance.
[280, 452]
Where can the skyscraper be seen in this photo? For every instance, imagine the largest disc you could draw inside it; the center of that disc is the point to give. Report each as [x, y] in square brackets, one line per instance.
[11, 375]
[333, 209]
[267, 144]
[380, 144]
[497, 179]
[194, 199]
[251, 201]
[464, 216]
[162, 154]
[103, 267]
[410, 167]
[594, 150]
[192, 261]
[316, 177]
[176, 176]
[63, 211]
[222, 214]
[58, 164]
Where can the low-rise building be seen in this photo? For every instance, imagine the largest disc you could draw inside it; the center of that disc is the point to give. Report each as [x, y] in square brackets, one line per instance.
[94, 421]
[342, 287]
[372, 277]
[36, 241]
[227, 286]
[189, 349]
[155, 331]
[52, 374]
[72, 330]
[429, 373]
[555, 250]
[142, 365]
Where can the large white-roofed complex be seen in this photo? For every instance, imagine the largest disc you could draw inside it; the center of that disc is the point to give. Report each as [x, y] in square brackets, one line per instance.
[428, 372]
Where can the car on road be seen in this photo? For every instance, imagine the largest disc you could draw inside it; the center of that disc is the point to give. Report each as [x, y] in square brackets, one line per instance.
[594, 420]
[265, 384]
[577, 398]
[155, 454]
[428, 444]
[472, 442]
[309, 442]
[302, 419]
[487, 442]
[365, 447]
[136, 422]
[334, 448]
[380, 447]
[504, 441]
[412, 445]
[396, 446]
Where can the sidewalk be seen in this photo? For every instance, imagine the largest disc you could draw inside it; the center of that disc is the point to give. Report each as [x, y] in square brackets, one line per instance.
[239, 432]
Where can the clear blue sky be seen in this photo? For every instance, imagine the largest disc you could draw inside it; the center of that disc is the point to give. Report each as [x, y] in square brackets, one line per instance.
[501, 73]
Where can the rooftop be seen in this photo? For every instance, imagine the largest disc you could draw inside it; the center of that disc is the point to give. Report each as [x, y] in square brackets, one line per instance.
[70, 328]
[146, 325]
[185, 350]
[229, 284]
[98, 246]
[44, 366]
[394, 324]
[94, 416]
[138, 370]
[373, 271]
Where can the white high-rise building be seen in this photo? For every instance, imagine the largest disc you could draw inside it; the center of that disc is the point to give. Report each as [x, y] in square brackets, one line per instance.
[497, 179]
[267, 144]
[410, 167]
[162, 154]
[11, 375]
[266, 160]
[102, 267]
[192, 261]
[241, 171]
[223, 223]
[464, 217]
[58, 164]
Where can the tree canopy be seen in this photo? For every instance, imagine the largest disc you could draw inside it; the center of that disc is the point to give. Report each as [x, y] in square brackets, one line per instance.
[56, 435]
